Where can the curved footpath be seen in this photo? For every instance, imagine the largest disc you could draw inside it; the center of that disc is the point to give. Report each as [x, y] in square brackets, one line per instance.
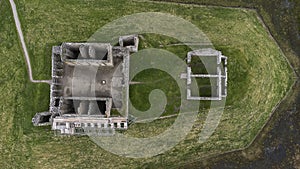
[20, 33]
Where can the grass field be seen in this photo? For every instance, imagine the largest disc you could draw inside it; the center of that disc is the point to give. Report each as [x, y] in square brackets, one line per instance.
[259, 77]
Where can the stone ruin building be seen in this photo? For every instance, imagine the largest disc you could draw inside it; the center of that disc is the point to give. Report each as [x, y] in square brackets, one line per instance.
[217, 74]
[90, 86]
[89, 90]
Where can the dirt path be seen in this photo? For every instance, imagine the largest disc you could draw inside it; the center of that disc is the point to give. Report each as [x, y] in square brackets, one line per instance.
[20, 33]
[158, 118]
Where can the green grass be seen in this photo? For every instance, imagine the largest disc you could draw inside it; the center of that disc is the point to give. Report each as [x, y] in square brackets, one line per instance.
[259, 77]
[155, 79]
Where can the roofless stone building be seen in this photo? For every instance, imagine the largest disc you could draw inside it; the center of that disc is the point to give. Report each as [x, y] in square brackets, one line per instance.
[89, 90]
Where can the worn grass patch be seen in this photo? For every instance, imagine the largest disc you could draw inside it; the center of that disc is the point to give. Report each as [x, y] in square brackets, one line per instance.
[259, 77]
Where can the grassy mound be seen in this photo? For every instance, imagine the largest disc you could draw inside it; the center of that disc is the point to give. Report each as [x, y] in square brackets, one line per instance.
[259, 77]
